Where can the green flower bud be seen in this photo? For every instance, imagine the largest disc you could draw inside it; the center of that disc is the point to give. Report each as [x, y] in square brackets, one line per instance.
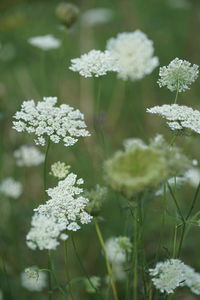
[67, 13]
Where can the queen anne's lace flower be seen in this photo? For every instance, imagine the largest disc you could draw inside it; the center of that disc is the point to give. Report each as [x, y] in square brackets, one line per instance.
[66, 203]
[11, 188]
[179, 74]
[28, 156]
[46, 120]
[192, 280]
[33, 283]
[45, 42]
[168, 275]
[179, 116]
[134, 52]
[96, 16]
[94, 63]
[116, 249]
[59, 170]
[45, 232]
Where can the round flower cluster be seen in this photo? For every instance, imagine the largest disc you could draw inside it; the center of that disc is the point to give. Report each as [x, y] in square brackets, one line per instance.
[47, 120]
[28, 156]
[45, 232]
[95, 63]
[172, 273]
[11, 188]
[33, 283]
[144, 167]
[45, 42]
[179, 116]
[59, 170]
[179, 74]
[96, 16]
[134, 52]
[66, 203]
[117, 248]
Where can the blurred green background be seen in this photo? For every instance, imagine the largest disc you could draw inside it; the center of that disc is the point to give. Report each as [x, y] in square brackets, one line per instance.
[27, 72]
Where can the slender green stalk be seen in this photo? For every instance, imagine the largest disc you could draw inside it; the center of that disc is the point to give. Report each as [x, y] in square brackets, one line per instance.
[4, 271]
[193, 201]
[174, 243]
[109, 269]
[173, 139]
[49, 275]
[45, 169]
[151, 291]
[67, 271]
[56, 280]
[135, 255]
[177, 91]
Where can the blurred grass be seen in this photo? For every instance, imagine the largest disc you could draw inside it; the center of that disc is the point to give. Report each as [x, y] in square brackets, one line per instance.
[28, 73]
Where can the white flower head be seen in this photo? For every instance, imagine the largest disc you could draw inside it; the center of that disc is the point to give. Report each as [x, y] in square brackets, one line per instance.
[95, 63]
[33, 283]
[179, 116]
[28, 156]
[193, 176]
[45, 42]
[11, 188]
[168, 275]
[96, 16]
[192, 280]
[179, 74]
[116, 249]
[45, 232]
[66, 204]
[134, 52]
[44, 119]
[59, 170]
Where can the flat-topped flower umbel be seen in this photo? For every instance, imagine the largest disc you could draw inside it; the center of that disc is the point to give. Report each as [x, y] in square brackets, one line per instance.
[46, 120]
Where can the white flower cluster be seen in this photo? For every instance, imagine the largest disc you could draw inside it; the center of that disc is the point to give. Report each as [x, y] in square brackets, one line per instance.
[45, 232]
[28, 156]
[134, 52]
[116, 249]
[59, 170]
[179, 116]
[179, 74]
[168, 275]
[94, 63]
[96, 16]
[31, 283]
[11, 188]
[64, 211]
[66, 203]
[47, 120]
[45, 42]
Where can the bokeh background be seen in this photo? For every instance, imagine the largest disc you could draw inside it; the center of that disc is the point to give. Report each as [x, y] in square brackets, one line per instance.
[27, 72]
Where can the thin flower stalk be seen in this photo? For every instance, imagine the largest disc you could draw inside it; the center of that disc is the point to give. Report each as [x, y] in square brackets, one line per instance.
[67, 272]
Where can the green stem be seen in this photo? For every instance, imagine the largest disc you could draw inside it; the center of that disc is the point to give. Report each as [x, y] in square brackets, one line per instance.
[177, 91]
[174, 243]
[173, 139]
[56, 280]
[49, 275]
[135, 255]
[106, 258]
[193, 201]
[67, 272]
[45, 169]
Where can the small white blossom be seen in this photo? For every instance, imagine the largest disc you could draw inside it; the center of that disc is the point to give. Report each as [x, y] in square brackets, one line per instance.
[94, 63]
[33, 284]
[179, 116]
[59, 170]
[179, 74]
[192, 280]
[96, 16]
[28, 156]
[116, 249]
[46, 120]
[11, 188]
[193, 176]
[67, 205]
[45, 232]
[168, 275]
[45, 42]
[134, 52]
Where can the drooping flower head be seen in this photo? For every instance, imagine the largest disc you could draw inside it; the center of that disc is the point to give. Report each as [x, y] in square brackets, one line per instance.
[44, 119]
[45, 42]
[28, 156]
[143, 167]
[33, 283]
[11, 188]
[95, 63]
[180, 117]
[179, 74]
[134, 52]
[67, 13]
